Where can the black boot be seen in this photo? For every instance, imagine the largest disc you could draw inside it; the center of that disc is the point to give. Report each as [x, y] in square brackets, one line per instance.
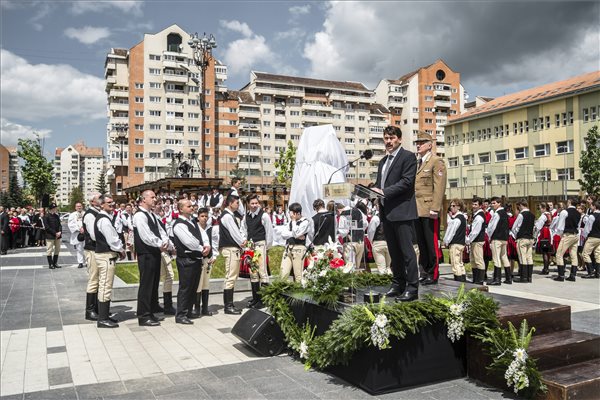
[228, 302]
[259, 304]
[103, 321]
[168, 300]
[478, 276]
[593, 274]
[497, 279]
[507, 276]
[50, 264]
[54, 261]
[90, 307]
[561, 273]
[255, 288]
[521, 273]
[529, 270]
[80, 265]
[205, 311]
[195, 312]
[573, 274]
[590, 271]
[462, 278]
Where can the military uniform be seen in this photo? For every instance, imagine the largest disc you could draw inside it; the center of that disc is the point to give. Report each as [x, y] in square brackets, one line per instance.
[430, 187]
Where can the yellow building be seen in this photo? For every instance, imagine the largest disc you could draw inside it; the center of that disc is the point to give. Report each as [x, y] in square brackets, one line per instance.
[523, 144]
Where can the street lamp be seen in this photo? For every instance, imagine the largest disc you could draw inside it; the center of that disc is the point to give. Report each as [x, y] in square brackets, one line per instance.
[121, 129]
[202, 53]
[485, 173]
[564, 150]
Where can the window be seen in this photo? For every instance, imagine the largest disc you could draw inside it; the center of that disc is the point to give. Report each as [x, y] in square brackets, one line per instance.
[586, 115]
[139, 113]
[571, 117]
[415, 109]
[547, 122]
[154, 127]
[155, 113]
[173, 100]
[206, 144]
[154, 71]
[452, 162]
[139, 156]
[564, 147]
[266, 123]
[206, 131]
[349, 117]
[541, 150]
[521, 153]
[154, 141]
[542, 176]
[177, 142]
[266, 99]
[192, 102]
[592, 113]
[296, 113]
[139, 85]
[155, 99]
[139, 99]
[502, 179]
[155, 57]
[564, 118]
[349, 140]
[294, 125]
[193, 115]
[453, 183]
[139, 127]
[520, 126]
[501, 155]
[515, 128]
[266, 111]
[556, 120]
[193, 129]
[565, 174]
[484, 158]
[138, 141]
[155, 85]
[526, 126]
[154, 155]
[535, 124]
[138, 170]
[468, 159]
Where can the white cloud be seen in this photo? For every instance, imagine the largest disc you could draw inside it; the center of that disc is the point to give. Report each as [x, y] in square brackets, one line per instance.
[499, 44]
[237, 26]
[88, 34]
[300, 10]
[11, 132]
[41, 10]
[126, 6]
[251, 52]
[35, 92]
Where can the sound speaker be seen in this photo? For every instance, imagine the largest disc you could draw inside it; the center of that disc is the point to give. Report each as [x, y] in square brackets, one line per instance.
[259, 331]
[46, 200]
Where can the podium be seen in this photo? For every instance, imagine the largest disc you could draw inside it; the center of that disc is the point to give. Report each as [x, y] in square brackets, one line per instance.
[345, 191]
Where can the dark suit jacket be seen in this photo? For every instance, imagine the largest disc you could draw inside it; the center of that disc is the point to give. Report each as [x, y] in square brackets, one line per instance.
[4, 222]
[399, 190]
[53, 225]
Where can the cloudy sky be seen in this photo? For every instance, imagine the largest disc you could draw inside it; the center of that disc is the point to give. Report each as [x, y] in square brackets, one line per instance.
[53, 52]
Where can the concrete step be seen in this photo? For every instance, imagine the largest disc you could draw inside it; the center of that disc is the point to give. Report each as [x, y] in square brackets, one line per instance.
[574, 381]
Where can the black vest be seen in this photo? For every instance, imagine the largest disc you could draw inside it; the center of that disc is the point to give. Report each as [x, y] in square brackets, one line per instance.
[213, 200]
[225, 238]
[379, 234]
[358, 234]
[89, 243]
[595, 232]
[102, 245]
[182, 250]
[324, 225]
[527, 225]
[572, 220]
[140, 246]
[481, 235]
[501, 231]
[294, 241]
[256, 230]
[461, 233]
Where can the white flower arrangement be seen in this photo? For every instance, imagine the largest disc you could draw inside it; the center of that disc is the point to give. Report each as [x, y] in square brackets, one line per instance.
[380, 335]
[456, 321]
[516, 373]
[303, 350]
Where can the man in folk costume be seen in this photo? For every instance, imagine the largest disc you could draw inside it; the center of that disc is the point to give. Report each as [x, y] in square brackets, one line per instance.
[523, 232]
[476, 239]
[296, 235]
[75, 224]
[236, 184]
[592, 243]
[430, 186]
[567, 227]
[89, 251]
[53, 230]
[258, 228]
[544, 237]
[203, 291]
[454, 239]
[323, 224]
[215, 199]
[381, 252]
[231, 241]
[108, 247]
[192, 246]
[498, 231]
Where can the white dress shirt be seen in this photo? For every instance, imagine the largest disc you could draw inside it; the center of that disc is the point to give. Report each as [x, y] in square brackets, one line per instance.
[518, 222]
[187, 238]
[492, 225]
[303, 228]
[110, 233]
[266, 222]
[451, 229]
[476, 226]
[588, 225]
[560, 225]
[228, 222]
[140, 222]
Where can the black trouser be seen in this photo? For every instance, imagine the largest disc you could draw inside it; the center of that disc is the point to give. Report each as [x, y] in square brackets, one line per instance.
[427, 248]
[189, 277]
[4, 239]
[398, 235]
[149, 267]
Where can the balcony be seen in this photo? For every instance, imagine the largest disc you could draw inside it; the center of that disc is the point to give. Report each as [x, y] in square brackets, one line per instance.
[118, 106]
[250, 152]
[395, 104]
[279, 91]
[376, 142]
[117, 120]
[118, 93]
[249, 113]
[442, 104]
[250, 139]
[252, 127]
[111, 80]
[175, 78]
[318, 107]
[350, 98]
[442, 93]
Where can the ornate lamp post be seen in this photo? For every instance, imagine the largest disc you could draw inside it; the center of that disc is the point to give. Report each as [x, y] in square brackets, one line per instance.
[202, 52]
[121, 129]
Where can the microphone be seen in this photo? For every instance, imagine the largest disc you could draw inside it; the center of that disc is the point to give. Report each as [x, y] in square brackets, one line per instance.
[367, 155]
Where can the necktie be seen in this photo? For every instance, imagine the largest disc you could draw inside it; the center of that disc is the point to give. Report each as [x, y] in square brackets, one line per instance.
[387, 165]
[420, 162]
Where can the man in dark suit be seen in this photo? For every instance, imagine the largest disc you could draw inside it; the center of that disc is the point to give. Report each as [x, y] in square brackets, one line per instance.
[396, 180]
[3, 231]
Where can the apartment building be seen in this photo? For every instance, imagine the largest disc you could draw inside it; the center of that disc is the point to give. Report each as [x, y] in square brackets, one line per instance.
[423, 100]
[527, 143]
[77, 165]
[274, 109]
[155, 109]
[9, 166]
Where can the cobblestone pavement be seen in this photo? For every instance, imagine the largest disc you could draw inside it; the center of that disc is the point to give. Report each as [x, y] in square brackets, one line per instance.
[49, 351]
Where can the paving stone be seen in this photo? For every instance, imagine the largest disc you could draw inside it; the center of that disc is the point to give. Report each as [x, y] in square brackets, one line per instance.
[59, 376]
[63, 393]
[136, 385]
[12, 397]
[58, 349]
[295, 393]
[196, 393]
[272, 384]
[141, 395]
[98, 390]
[192, 377]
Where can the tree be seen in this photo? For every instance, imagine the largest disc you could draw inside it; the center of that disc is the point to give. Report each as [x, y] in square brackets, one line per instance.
[75, 197]
[37, 171]
[237, 172]
[285, 165]
[15, 193]
[101, 182]
[590, 162]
